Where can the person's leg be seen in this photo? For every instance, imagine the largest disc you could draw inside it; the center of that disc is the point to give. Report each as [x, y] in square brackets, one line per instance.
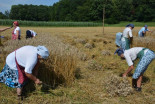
[28, 34]
[142, 66]
[19, 91]
[139, 81]
[143, 34]
[134, 83]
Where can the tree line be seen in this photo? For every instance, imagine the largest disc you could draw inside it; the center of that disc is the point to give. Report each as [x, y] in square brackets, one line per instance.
[86, 10]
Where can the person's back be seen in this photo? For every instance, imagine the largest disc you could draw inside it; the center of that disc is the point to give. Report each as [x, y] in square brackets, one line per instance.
[127, 32]
[26, 56]
[33, 33]
[30, 34]
[127, 37]
[118, 39]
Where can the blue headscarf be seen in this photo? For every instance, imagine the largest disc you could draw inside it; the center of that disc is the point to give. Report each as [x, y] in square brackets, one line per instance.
[43, 51]
[130, 25]
[119, 51]
[146, 26]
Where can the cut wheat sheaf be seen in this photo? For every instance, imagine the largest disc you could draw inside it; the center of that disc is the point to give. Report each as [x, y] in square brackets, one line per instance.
[60, 67]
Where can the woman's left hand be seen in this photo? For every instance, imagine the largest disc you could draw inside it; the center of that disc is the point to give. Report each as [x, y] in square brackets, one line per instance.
[38, 82]
[124, 75]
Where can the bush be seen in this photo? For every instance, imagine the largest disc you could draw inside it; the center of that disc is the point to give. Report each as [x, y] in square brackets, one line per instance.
[153, 20]
[111, 21]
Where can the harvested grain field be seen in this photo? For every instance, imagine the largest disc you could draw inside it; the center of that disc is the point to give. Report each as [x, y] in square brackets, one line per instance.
[86, 69]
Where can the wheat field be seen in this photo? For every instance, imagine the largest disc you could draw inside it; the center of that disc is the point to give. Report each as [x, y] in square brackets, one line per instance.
[82, 67]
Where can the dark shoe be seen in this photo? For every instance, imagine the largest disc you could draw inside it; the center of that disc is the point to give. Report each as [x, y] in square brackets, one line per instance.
[139, 89]
[20, 97]
[134, 86]
[134, 83]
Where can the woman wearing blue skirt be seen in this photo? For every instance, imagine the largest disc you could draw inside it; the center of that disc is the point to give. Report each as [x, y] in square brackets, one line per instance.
[145, 55]
[20, 64]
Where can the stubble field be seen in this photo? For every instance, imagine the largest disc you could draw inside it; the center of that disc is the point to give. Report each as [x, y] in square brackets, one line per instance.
[84, 66]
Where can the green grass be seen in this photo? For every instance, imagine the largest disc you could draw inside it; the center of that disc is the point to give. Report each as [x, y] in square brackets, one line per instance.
[71, 24]
[51, 24]
[124, 23]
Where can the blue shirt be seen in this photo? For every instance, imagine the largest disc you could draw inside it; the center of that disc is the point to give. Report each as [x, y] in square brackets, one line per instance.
[140, 33]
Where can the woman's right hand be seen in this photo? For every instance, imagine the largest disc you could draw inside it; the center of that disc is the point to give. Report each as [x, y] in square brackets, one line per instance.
[38, 82]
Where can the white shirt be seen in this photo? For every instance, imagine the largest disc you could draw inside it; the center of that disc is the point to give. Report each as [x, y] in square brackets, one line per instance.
[17, 29]
[127, 33]
[33, 33]
[131, 54]
[26, 56]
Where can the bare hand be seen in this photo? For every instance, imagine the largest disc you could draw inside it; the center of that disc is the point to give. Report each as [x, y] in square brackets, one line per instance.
[124, 75]
[38, 82]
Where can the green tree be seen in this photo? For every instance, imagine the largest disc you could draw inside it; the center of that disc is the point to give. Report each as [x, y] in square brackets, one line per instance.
[2, 16]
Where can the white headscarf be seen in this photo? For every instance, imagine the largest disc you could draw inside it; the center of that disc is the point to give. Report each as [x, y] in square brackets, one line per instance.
[43, 51]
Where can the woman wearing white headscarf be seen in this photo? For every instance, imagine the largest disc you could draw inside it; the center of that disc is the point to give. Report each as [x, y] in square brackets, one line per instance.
[20, 64]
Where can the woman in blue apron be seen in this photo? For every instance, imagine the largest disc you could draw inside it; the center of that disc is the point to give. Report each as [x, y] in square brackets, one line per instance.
[118, 39]
[127, 37]
[20, 64]
[145, 56]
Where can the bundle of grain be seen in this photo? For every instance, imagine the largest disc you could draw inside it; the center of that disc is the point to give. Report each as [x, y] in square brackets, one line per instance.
[117, 86]
[146, 42]
[106, 53]
[82, 41]
[82, 56]
[93, 65]
[90, 46]
[60, 67]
